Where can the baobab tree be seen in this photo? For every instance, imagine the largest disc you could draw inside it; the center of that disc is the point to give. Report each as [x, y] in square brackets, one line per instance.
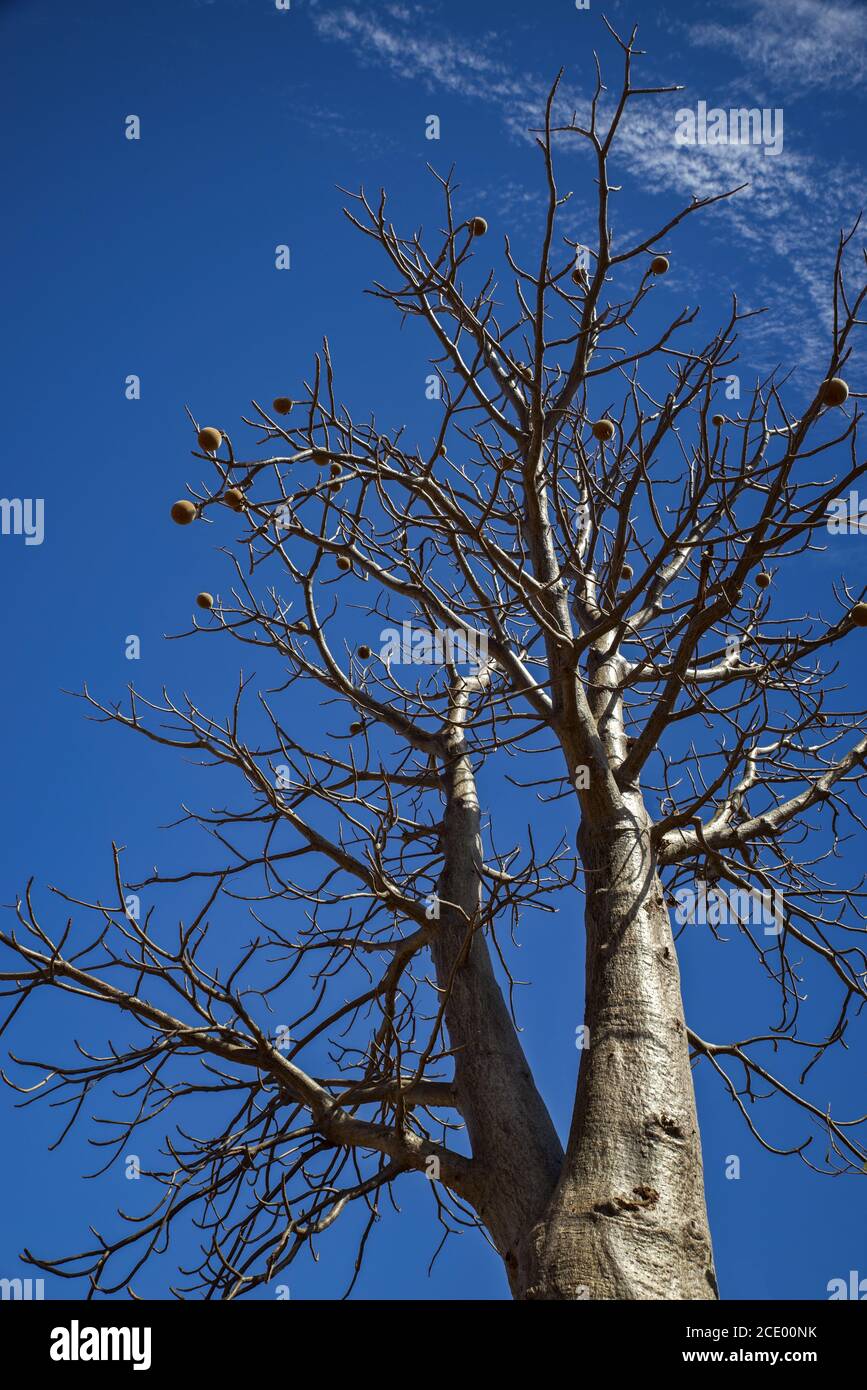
[588, 566]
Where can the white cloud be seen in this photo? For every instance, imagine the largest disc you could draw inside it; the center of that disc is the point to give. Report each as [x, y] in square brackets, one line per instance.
[795, 205]
[409, 51]
[803, 45]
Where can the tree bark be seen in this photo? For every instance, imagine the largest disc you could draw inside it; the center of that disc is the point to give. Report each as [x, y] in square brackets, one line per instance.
[628, 1218]
[516, 1151]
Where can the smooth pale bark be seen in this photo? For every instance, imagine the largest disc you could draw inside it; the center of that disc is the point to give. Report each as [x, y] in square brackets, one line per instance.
[628, 1219]
[514, 1144]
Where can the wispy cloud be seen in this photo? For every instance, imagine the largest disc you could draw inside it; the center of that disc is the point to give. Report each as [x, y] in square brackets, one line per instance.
[351, 127]
[802, 45]
[794, 204]
[406, 48]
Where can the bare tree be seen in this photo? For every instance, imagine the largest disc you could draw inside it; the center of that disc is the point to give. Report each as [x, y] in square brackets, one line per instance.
[585, 583]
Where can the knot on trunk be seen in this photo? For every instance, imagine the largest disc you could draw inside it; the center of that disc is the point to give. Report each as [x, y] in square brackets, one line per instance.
[642, 1196]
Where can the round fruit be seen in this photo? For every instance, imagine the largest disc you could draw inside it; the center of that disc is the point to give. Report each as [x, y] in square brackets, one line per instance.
[659, 265]
[603, 429]
[282, 405]
[478, 226]
[209, 439]
[205, 600]
[718, 420]
[627, 572]
[319, 456]
[335, 470]
[763, 579]
[344, 562]
[356, 728]
[859, 615]
[183, 512]
[834, 391]
[234, 498]
[364, 653]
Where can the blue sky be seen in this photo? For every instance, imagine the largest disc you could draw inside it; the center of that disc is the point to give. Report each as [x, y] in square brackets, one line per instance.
[156, 257]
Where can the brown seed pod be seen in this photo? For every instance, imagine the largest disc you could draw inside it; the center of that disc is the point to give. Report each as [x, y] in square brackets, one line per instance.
[364, 653]
[763, 579]
[718, 420]
[858, 614]
[336, 469]
[659, 265]
[205, 600]
[209, 439]
[319, 456]
[282, 405]
[356, 727]
[821, 794]
[603, 430]
[183, 512]
[626, 572]
[834, 391]
[234, 498]
[344, 562]
[478, 226]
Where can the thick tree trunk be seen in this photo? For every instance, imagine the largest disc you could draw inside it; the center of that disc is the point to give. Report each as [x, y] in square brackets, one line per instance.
[628, 1218]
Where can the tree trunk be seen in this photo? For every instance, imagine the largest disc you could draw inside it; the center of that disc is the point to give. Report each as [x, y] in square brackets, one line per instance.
[515, 1147]
[628, 1218]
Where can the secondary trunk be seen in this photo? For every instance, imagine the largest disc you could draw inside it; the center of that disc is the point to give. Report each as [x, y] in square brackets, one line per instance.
[628, 1218]
[514, 1143]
